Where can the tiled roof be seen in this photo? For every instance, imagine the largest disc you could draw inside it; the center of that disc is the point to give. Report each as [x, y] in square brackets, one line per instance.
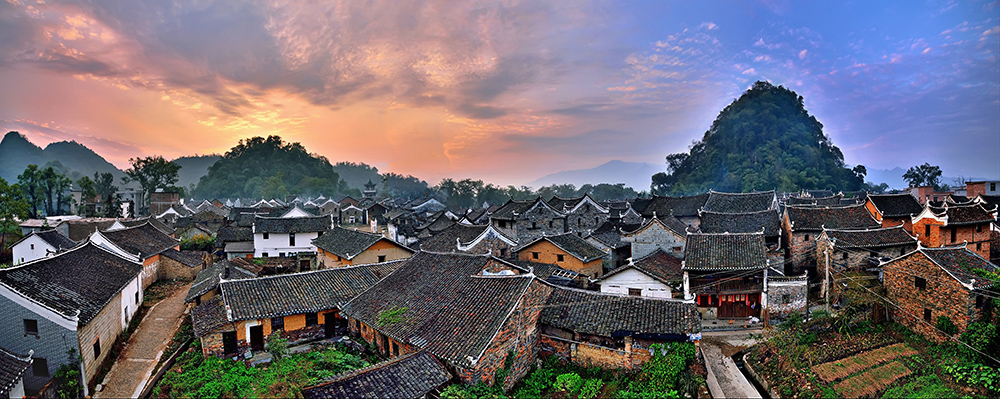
[677, 206]
[208, 279]
[658, 264]
[55, 239]
[815, 218]
[152, 221]
[445, 309]
[447, 240]
[551, 273]
[234, 233]
[725, 252]
[671, 223]
[958, 199]
[573, 245]
[990, 200]
[872, 238]
[819, 193]
[960, 262]
[208, 316]
[12, 368]
[508, 210]
[819, 201]
[739, 202]
[240, 247]
[895, 205]
[187, 258]
[974, 214]
[768, 221]
[286, 294]
[292, 225]
[438, 223]
[82, 279]
[409, 376]
[143, 239]
[611, 315]
[347, 243]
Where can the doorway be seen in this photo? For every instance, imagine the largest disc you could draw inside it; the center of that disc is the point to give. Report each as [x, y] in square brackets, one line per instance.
[257, 338]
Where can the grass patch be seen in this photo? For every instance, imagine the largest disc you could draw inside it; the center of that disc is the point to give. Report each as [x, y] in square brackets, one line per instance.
[928, 386]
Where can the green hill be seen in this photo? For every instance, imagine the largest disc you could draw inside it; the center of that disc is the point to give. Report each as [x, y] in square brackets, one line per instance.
[764, 140]
[356, 175]
[193, 168]
[16, 153]
[269, 168]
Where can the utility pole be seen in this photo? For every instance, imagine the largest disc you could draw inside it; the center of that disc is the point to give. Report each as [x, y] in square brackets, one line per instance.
[826, 280]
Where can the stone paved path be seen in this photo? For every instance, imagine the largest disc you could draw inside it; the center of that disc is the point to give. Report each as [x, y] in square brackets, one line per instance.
[128, 376]
[724, 379]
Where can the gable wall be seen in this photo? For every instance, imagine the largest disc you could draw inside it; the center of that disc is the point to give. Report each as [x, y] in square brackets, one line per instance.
[944, 296]
[106, 326]
[546, 222]
[382, 247]
[52, 342]
[277, 243]
[547, 253]
[23, 251]
[655, 237]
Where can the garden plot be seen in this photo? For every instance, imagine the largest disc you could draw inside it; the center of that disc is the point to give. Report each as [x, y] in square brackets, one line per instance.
[872, 381]
[835, 370]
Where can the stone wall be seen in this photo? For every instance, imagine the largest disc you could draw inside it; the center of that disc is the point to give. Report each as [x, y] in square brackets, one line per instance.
[538, 221]
[647, 240]
[173, 270]
[586, 219]
[51, 343]
[105, 326]
[802, 251]
[786, 295]
[943, 296]
[150, 270]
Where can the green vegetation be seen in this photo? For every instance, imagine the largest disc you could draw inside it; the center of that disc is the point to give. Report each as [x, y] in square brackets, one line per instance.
[928, 386]
[764, 140]
[68, 377]
[152, 173]
[269, 167]
[199, 242]
[76, 160]
[13, 207]
[196, 376]
[391, 316]
[277, 346]
[470, 193]
[45, 187]
[925, 175]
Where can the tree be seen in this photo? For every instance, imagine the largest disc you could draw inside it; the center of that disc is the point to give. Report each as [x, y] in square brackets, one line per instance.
[88, 192]
[13, 207]
[104, 185]
[923, 175]
[30, 184]
[151, 173]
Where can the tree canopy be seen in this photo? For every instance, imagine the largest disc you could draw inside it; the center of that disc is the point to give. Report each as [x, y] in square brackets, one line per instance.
[269, 167]
[764, 140]
[151, 173]
[924, 175]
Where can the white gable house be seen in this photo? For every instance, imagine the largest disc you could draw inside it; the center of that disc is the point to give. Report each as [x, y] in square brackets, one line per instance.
[281, 237]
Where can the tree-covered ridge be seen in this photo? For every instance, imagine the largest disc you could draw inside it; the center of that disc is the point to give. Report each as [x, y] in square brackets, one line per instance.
[269, 167]
[764, 140]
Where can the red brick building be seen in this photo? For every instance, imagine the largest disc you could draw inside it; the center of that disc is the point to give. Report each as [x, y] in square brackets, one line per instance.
[933, 282]
[893, 209]
[956, 224]
[803, 225]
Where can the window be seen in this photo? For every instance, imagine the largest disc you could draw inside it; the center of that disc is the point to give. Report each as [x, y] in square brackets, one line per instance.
[635, 291]
[534, 255]
[927, 230]
[993, 187]
[291, 240]
[30, 327]
[953, 234]
[281, 254]
[277, 323]
[137, 297]
[395, 349]
[39, 367]
[786, 298]
[502, 223]
[844, 256]
[32, 247]
[534, 225]
[97, 347]
[807, 237]
[980, 300]
[979, 246]
[979, 228]
[927, 314]
[920, 282]
[579, 221]
[381, 258]
[559, 258]
[266, 236]
[312, 319]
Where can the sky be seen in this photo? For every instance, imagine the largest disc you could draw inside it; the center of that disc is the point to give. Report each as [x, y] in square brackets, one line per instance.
[502, 91]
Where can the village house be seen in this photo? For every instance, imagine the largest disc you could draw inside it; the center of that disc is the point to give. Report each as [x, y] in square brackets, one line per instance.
[893, 209]
[726, 274]
[657, 275]
[583, 214]
[470, 311]
[40, 244]
[684, 209]
[608, 238]
[802, 225]
[351, 214]
[568, 251]
[767, 221]
[160, 201]
[956, 224]
[206, 284]
[413, 375]
[145, 241]
[862, 249]
[930, 283]
[471, 240]
[740, 202]
[528, 220]
[182, 265]
[662, 232]
[807, 200]
[925, 194]
[281, 237]
[299, 306]
[345, 247]
[977, 188]
[611, 330]
[12, 370]
[437, 223]
[80, 299]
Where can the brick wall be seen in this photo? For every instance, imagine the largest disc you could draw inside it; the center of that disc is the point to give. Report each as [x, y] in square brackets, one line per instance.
[648, 240]
[943, 296]
[105, 326]
[802, 250]
[548, 253]
[150, 270]
[977, 237]
[173, 270]
[785, 296]
[538, 221]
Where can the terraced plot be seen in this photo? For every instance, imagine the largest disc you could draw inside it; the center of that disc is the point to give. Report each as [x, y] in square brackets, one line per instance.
[872, 381]
[832, 371]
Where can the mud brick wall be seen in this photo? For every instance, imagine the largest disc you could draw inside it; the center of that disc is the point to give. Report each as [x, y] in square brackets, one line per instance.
[786, 298]
[943, 296]
[802, 250]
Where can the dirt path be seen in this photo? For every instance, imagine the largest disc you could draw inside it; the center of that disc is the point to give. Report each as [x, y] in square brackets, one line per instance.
[724, 379]
[128, 376]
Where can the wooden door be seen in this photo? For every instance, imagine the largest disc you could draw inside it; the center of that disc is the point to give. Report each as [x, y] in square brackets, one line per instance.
[229, 342]
[257, 338]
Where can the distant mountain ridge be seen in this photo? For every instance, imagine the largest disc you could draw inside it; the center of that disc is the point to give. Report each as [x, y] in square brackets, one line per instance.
[16, 153]
[633, 174]
[193, 168]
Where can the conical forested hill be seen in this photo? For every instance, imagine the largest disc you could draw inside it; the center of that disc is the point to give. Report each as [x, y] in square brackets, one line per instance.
[764, 140]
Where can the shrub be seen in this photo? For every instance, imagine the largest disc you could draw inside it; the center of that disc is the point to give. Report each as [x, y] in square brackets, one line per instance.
[277, 346]
[975, 374]
[569, 382]
[928, 386]
[944, 324]
[794, 320]
[591, 388]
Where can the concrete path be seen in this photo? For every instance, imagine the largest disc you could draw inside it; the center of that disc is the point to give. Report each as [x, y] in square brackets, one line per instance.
[724, 379]
[129, 374]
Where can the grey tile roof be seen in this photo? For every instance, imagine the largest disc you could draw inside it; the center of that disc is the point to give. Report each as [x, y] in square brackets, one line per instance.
[12, 368]
[409, 376]
[572, 244]
[145, 240]
[871, 238]
[960, 263]
[990, 200]
[446, 309]
[611, 315]
[676, 206]
[292, 225]
[234, 233]
[347, 243]
[208, 316]
[187, 258]
[313, 291]
[55, 239]
[508, 210]
[721, 252]
[671, 223]
[816, 218]
[818, 201]
[895, 205]
[208, 279]
[658, 264]
[447, 240]
[739, 202]
[239, 247]
[768, 221]
[82, 279]
[963, 215]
